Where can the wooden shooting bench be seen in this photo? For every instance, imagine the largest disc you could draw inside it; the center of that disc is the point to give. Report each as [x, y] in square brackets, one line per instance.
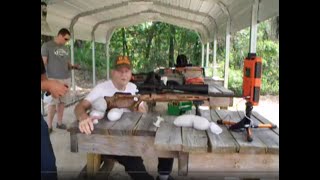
[226, 154]
[220, 97]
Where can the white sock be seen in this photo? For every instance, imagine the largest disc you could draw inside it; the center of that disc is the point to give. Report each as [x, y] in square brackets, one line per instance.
[163, 177]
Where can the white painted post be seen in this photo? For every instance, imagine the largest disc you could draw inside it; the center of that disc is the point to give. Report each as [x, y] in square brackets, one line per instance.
[207, 57]
[214, 63]
[202, 54]
[93, 62]
[226, 66]
[72, 59]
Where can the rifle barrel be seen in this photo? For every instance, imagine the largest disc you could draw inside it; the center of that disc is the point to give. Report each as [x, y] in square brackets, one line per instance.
[200, 89]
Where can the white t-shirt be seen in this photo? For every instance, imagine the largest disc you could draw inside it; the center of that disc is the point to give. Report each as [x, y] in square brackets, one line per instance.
[108, 89]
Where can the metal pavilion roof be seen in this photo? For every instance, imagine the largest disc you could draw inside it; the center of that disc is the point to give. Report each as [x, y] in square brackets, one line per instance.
[102, 17]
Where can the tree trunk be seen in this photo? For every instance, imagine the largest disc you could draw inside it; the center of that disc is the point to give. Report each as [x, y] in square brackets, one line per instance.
[171, 47]
[125, 51]
[149, 39]
[196, 61]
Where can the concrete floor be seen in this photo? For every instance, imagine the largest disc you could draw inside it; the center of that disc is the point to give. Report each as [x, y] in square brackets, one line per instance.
[70, 164]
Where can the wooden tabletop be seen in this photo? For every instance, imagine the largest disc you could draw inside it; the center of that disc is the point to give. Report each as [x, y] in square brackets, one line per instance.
[172, 138]
[218, 90]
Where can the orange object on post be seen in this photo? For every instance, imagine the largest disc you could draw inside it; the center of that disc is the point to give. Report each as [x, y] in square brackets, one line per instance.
[252, 71]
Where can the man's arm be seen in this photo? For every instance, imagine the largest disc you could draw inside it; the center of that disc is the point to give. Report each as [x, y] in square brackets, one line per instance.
[56, 88]
[85, 124]
[70, 66]
[81, 109]
[45, 60]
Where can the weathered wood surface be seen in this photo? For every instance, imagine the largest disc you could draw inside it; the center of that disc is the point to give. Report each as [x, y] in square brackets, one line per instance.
[223, 142]
[100, 128]
[220, 101]
[168, 136]
[217, 89]
[194, 140]
[126, 124]
[121, 145]
[145, 126]
[264, 120]
[234, 164]
[267, 136]
[93, 163]
[102, 174]
[254, 147]
[183, 159]
[228, 151]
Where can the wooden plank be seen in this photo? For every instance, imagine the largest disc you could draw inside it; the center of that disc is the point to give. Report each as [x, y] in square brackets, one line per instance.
[121, 145]
[235, 164]
[254, 147]
[93, 163]
[73, 127]
[103, 173]
[222, 143]
[183, 163]
[220, 101]
[213, 90]
[224, 90]
[126, 124]
[267, 136]
[194, 140]
[74, 142]
[168, 136]
[105, 169]
[100, 128]
[145, 125]
[264, 120]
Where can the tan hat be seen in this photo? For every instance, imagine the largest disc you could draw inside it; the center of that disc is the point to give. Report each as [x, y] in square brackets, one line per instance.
[122, 61]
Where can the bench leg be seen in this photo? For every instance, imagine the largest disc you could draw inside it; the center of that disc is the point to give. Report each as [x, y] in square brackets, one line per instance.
[93, 163]
[103, 172]
[183, 159]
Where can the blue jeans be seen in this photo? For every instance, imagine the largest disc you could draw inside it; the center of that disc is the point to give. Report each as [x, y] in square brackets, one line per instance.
[48, 160]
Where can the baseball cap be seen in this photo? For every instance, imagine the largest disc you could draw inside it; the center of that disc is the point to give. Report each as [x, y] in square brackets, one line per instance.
[122, 61]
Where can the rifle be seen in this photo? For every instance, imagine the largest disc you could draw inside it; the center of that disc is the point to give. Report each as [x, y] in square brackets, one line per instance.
[173, 93]
[154, 90]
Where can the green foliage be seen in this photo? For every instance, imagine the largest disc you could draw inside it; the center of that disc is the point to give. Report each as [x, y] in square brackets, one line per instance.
[266, 48]
[235, 81]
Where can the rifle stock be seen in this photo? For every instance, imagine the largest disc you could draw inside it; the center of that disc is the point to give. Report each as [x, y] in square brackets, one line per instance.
[165, 97]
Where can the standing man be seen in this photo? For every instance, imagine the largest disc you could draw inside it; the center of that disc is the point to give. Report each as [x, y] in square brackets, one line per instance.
[56, 57]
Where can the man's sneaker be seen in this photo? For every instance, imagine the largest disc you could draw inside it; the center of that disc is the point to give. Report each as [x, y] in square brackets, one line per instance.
[62, 126]
[169, 178]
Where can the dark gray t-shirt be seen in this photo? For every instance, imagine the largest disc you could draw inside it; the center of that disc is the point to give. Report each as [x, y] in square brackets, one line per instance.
[58, 58]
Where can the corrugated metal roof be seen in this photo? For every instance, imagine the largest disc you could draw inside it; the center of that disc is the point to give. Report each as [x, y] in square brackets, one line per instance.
[203, 16]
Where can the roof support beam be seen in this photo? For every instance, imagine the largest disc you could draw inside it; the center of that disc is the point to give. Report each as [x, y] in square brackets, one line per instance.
[202, 55]
[108, 37]
[207, 55]
[254, 27]
[155, 3]
[226, 65]
[214, 62]
[72, 59]
[95, 11]
[93, 61]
